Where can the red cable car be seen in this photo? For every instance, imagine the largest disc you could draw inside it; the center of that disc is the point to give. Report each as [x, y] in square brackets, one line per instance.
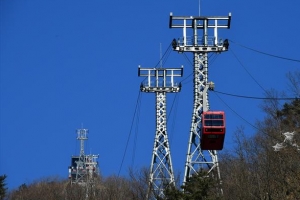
[213, 130]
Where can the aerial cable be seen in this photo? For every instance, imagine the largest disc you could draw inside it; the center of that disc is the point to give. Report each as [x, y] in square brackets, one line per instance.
[175, 106]
[255, 127]
[167, 56]
[135, 111]
[248, 72]
[191, 64]
[174, 100]
[268, 54]
[159, 62]
[183, 80]
[136, 132]
[268, 93]
[189, 61]
[236, 112]
[214, 57]
[260, 130]
[259, 98]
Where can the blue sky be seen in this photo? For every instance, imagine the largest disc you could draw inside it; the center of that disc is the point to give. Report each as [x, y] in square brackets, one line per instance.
[72, 64]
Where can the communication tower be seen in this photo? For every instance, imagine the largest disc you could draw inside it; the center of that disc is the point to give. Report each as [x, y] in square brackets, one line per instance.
[161, 170]
[200, 46]
[84, 168]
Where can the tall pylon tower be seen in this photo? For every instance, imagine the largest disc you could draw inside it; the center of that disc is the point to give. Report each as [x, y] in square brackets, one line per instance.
[84, 168]
[200, 46]
[160, 81]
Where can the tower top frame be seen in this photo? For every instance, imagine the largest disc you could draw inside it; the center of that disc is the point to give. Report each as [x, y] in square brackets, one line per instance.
[160, 79]
[200, 44]
[187, 21]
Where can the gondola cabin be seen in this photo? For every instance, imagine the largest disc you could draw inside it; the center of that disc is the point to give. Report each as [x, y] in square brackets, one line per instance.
[213, 130]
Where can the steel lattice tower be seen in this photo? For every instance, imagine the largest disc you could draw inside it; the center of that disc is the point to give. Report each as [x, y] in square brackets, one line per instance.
[161, 170]
[84, 168]
[197, 158]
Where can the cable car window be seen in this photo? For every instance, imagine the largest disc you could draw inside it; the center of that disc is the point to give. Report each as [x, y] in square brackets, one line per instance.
[213, 116]
[213, 122]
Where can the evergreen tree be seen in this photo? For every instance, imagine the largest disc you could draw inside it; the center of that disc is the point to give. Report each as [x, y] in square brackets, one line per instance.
[201, 186]
[2, 187]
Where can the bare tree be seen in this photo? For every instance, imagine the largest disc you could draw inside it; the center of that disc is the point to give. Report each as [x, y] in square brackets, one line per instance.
[48, 188]
[294, 83]
[139, 179]
[254, 170]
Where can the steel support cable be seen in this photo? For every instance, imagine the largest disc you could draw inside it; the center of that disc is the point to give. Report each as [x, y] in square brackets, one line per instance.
[258, 98]
[268, 54]
[191, 64]
[248, 72]
[266, 92]
[213, 57]
[185, 81]
[271, 136]
[175, 102]
[168, 49]
[244, 118]
[135, 111]
[258, 85]
[165, 53]
[255, 82]
[188, 60]
[136, 132]
[168, 52]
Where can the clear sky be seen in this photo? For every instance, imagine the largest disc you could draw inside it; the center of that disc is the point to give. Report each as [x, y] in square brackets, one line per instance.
[73, 63]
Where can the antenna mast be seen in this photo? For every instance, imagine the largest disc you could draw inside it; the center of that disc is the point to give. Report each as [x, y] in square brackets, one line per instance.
[197, 158]
[84, 168]
[161, 170]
